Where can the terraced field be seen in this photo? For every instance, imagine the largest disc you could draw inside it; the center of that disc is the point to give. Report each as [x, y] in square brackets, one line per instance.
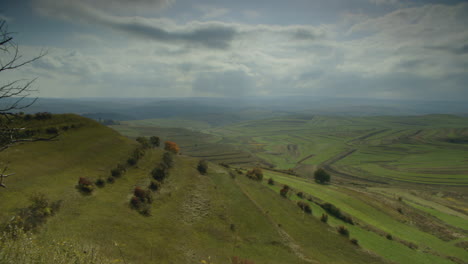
[430, 149]
[192, 142]
[377, 216]
[402, 179]
[427, 149]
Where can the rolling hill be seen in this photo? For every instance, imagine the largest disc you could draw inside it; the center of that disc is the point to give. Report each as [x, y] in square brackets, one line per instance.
[194, 217]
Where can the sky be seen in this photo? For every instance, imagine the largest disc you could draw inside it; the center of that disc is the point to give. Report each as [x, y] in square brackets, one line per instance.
[386, 49]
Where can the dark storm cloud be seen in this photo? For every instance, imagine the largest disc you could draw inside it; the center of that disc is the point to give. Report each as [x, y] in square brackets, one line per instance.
[210, 36]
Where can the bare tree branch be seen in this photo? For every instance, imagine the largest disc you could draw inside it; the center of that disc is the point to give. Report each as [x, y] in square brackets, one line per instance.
[19, 89]
[12, 96]
[3, 176]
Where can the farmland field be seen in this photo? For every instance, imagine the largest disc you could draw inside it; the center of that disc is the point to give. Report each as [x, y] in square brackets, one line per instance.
[402, 179]
[430, 149]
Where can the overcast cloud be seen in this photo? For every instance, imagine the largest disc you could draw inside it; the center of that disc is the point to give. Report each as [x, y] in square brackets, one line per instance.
[372, 48]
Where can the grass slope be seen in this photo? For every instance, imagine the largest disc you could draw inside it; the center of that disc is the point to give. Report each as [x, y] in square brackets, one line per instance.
[194, 217]
[431, 248]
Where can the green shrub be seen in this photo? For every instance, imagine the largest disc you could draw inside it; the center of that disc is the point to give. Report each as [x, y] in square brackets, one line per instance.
[144, 195]
[145, 143]
[135, 203]
[43, 116]
[300, 195]
[141, 200]
[155, 141]
[321, 176]
[255, 174]
[354, 241]
[284, 191]
[100, 182]
[52, 130]
[271, 181]
[304, 207]
[110, 179]
[138, 153]
[145, 210]
[132, 161]
[159, 173]
[115, 172]
[154, 185]
[342, 230]
[168, 159]
[336, 212]
[85, 185]
[324, 218]
[202, 167]
[36, 214]
[389, 237]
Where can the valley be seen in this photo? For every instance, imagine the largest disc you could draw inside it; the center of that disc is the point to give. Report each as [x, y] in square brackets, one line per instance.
[402, 181]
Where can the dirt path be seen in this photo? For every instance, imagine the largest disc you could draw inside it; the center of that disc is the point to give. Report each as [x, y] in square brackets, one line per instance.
[306, 158]
[327, 165]
[338, 157]
[369, 135]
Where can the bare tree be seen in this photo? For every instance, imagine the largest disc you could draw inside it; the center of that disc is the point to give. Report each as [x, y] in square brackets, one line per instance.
[11, 59]
[12, 92]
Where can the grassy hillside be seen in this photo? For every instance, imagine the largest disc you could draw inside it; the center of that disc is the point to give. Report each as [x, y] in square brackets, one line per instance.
[402, 179]
[377, 217]
[193, 217]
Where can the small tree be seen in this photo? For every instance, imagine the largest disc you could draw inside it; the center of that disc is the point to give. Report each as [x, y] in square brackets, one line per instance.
[154, 185]
[324, 218]
[321, 176]
[171, 147]
[85, 185]
[271, 181]
[145, 143]
[167, 160]
[155, 141]
[115, 172]
[202, 167]
[304, 207]
[159, 173]
[284, 191]
[132, 161]
[342, 230]
[255, 174]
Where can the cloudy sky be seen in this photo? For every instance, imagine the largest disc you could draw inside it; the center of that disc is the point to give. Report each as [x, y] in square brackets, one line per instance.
[396, 49]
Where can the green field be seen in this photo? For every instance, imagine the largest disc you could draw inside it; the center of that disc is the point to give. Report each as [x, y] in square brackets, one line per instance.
[193, 217]
[379, 165]
[428, 149]
[382, 216]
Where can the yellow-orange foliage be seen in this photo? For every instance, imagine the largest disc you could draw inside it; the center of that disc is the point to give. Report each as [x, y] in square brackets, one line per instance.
[171, 146]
